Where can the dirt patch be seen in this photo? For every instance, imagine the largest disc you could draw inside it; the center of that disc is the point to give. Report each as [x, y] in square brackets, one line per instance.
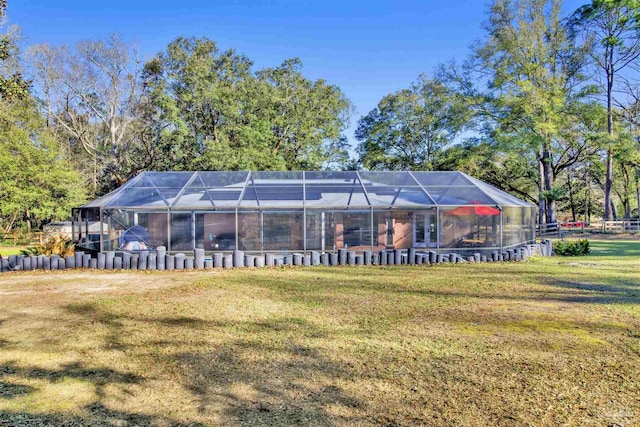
[579, 264]
[530, 343]
[80, 282]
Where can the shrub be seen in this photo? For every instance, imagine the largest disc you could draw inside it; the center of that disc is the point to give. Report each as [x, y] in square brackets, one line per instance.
[571, 248]
[55, 245]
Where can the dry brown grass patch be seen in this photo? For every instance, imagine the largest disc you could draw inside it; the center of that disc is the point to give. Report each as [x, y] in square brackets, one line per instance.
[536, 343]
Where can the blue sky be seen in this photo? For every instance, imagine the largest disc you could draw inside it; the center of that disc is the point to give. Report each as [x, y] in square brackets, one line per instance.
[368, 48]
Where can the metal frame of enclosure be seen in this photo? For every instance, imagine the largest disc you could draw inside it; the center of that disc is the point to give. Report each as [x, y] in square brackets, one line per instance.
[285, 212]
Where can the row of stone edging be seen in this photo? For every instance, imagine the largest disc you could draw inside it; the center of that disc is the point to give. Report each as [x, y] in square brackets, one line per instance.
[160, 260]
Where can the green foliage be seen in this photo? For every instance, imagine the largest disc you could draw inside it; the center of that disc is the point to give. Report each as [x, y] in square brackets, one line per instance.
[511, 169]
[210, 111]
[13, 86]
[410, 129]
[571, 247]
[613, 24]
[613, 29]
[38, 185]
[54, 245]
[533, 65]
[556, 193]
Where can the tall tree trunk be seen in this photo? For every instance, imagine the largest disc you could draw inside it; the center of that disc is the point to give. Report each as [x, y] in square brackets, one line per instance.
[10, 224]
[548, 184]
[28, 217]
[607, 187]
[542, 206]
[571, 201]
[609, 177]
[587, 204]
[626, 205]
[626, 202]
[95, 175]
[637, 179]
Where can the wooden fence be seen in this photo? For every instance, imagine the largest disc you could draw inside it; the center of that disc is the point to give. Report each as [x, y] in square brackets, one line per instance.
[612, 227]
[27, 239]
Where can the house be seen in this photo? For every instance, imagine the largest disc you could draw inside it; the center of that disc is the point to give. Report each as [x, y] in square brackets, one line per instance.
[284, 212]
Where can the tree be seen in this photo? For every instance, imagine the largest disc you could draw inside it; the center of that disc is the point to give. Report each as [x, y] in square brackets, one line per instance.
[627, 162]
[38, 184]
[204, 109]
[307, 118]
[212, 112]
[410, 128]
[614, 27]
[532, 66]
[12, 84]
[511, 167]
[91, 95]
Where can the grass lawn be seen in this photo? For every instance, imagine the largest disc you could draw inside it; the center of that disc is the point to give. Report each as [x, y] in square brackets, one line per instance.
[7, 249]
[545, 342]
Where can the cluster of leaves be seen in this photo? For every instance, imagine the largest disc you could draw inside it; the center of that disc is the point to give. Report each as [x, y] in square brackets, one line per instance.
[54, 245]
[191, 107]
[412, 128]
[38, 183]
[527, 111]
[13, 86]
[571, 247]
[209, 110]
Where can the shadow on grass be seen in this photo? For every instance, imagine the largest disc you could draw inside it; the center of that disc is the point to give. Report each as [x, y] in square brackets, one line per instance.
[268, 384]
[97, 415]
[623, 292]
[560, 290]
[99, 377]
[263, 373]
[115, 324]
[258, 372]
[9, 390]
[264, 377]
[617, 248]
[318, 290]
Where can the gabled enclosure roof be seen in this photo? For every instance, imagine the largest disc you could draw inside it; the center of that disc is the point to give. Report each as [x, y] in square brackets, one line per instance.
[262, 190]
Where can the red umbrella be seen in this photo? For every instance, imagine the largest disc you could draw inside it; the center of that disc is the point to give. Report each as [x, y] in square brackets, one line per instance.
[474, 210]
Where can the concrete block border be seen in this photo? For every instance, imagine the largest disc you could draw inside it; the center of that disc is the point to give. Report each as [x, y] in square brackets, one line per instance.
[160, 260]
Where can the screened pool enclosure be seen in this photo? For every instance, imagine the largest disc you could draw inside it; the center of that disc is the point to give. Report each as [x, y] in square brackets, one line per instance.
[284, 212]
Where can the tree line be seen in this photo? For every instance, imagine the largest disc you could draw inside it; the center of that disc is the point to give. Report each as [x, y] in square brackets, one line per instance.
[544, 106]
